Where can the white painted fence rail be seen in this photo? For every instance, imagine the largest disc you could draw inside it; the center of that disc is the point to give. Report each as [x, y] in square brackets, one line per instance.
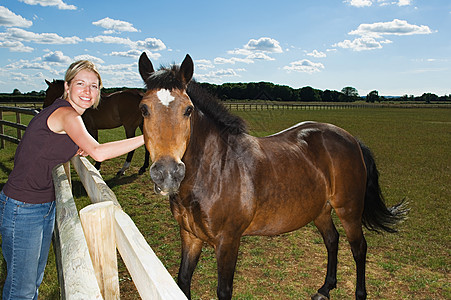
[78, 272]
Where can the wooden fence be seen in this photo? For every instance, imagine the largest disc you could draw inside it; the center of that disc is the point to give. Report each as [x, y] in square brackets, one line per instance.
[240, 106]
[20, 127]
[291, 106]
[92, 274]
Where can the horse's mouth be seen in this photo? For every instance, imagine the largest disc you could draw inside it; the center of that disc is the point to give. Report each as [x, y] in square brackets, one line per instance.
[159, 191]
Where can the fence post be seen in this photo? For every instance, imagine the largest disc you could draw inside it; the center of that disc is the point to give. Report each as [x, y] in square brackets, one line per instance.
[2, 131]
[98, 226]
[18, 121]
[75, 270]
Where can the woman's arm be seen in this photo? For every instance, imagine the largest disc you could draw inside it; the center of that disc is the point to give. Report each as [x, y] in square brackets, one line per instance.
[67, 120]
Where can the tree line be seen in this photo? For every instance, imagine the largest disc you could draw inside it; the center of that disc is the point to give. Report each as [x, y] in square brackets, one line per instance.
[264, 91]
[275, 92]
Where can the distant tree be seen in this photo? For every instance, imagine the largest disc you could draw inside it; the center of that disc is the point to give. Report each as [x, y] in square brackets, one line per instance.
[16, 92]
[429, 97]
[309, 94]
[350, 91]
[331, 96]
[373, 96]
[350, 94]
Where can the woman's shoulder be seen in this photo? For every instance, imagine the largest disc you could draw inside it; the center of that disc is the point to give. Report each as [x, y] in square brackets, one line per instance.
[61, 116]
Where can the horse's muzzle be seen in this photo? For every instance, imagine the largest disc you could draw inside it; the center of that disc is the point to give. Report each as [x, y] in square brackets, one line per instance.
[167, 174]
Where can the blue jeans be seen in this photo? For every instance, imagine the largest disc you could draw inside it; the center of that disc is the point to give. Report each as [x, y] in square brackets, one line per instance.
[26, 231]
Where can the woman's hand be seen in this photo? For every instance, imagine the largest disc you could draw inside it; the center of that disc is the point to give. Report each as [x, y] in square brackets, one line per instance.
[82, 152]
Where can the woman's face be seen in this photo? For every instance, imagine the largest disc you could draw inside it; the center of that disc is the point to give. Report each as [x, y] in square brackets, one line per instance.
[83, 90]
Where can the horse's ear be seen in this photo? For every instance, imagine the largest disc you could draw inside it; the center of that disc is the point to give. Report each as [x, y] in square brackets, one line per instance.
[145, 66]
[186, 69]
[48, 82]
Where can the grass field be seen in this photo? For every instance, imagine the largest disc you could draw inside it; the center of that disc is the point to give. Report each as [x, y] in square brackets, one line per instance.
[412, 149]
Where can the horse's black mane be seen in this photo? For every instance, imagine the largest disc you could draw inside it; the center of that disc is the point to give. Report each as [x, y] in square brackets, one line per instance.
[165, 78]
[208, 104]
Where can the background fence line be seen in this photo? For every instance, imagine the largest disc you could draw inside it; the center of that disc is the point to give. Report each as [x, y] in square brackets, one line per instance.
[20, 127]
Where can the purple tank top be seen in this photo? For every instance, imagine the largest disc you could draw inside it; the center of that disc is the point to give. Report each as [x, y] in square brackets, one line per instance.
[39, 151]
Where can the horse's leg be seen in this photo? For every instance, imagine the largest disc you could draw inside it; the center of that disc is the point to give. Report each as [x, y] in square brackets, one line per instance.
[95, 134]
[129, 133]
[226, 257]
[352, 225]
[330, 236]
[191, 250]
[143, 169]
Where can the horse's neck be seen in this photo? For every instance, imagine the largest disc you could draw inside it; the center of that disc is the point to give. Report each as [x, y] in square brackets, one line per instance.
[204, 133]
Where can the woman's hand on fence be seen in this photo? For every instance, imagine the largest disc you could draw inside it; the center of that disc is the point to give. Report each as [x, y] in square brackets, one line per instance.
[82, 152]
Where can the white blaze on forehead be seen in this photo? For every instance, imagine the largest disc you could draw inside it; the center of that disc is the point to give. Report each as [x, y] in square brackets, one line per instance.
[165, 97]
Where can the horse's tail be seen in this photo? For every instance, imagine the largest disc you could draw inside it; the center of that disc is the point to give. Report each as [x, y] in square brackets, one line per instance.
[376, 215]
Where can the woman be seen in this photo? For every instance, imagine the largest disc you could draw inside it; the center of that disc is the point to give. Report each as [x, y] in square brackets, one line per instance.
[27, 202]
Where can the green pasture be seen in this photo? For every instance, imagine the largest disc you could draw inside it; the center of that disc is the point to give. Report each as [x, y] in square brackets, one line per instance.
[413, 153]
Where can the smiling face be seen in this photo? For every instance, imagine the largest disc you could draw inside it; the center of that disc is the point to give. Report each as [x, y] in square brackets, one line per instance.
[83, 90]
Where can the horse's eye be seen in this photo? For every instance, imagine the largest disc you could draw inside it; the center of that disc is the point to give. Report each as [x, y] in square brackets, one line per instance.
[188, 110]
[144, 110]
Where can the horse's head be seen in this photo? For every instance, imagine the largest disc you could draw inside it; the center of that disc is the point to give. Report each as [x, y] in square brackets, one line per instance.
[166, 108]
[54, 90]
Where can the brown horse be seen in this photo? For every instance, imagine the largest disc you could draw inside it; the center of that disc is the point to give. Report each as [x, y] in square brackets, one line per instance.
[224, 183]
[115, 109]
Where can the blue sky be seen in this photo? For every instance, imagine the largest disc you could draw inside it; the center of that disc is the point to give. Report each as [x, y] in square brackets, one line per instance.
[396, 47]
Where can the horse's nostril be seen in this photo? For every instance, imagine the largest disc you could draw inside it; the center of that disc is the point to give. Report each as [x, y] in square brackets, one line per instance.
[156, 174]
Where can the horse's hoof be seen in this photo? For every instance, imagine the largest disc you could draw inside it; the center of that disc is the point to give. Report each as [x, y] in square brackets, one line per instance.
[119, 174]
[141, 171]
[319, 296]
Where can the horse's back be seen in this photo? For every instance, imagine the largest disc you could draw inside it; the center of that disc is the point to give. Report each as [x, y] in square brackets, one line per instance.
[301, 169]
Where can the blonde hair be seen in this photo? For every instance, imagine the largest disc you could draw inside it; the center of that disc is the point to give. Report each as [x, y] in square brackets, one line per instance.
[75, 68]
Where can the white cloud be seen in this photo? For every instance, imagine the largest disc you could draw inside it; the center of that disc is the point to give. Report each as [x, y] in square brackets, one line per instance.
[304, 65]
[260, 56]
[28, 65]
[10, 19]
[111, 40]
[152, 44]
[233, 60]
[217, 75]
[15, 46]
[317, 54]
[264, 44]
[366, 3]
[395, 27]
[404, 2]
[204, 64]
[372, 35]
[58, 3]
[359, 3]
[134, 53]
[359, 44]
[240, 52]
[17, 34]
[115, 26]
[56, 57]
[255, 49]
[91, 58]
[114, 69]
